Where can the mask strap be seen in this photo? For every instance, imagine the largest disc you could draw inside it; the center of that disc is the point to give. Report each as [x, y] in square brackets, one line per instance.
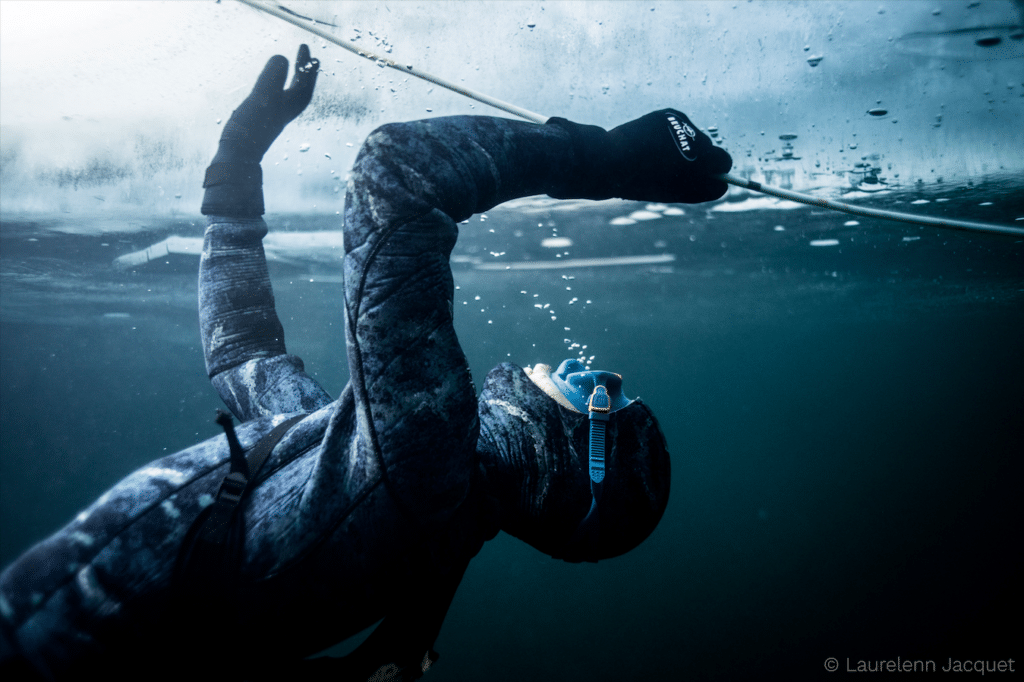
[599, 405]
[599, 409]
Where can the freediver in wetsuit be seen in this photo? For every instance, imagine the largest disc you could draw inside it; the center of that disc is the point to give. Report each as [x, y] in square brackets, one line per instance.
[371, 505]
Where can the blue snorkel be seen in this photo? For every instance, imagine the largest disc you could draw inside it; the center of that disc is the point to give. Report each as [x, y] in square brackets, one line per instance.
[596, 394]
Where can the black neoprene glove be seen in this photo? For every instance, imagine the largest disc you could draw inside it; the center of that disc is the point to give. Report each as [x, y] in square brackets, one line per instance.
[658, 157]
[234, 180]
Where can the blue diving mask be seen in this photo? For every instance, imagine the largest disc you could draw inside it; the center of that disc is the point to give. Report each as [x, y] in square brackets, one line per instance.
[598, 395]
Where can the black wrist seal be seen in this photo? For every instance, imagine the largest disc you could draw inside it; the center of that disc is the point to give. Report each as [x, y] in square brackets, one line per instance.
[234, 190]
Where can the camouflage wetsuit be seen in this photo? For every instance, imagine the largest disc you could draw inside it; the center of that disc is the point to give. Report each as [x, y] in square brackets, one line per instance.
[332, 543]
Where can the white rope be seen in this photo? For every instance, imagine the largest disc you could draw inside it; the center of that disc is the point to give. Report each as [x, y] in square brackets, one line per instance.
[310, 26]
[274, 9]
[866, 212]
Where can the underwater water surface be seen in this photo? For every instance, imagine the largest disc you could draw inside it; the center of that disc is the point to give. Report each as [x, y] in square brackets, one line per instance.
[842, 403]
[842, 397]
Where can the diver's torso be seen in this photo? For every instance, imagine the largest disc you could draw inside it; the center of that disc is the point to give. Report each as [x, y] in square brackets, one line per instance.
[325, 555]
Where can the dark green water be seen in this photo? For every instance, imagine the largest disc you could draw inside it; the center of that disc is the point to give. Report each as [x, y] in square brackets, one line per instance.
[846, 425]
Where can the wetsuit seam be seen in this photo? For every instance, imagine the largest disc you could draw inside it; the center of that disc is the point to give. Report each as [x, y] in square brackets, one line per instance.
[429, 331]
[298, 559]
[360, 379]
[284, 463]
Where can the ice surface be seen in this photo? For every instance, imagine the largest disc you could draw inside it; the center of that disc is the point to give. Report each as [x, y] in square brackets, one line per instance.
[136, 133]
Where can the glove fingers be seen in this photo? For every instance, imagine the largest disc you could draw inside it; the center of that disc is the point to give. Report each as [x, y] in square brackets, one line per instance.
[271, 81]
[298, 94]
[717, 161]
[302, 56]
[710, 189]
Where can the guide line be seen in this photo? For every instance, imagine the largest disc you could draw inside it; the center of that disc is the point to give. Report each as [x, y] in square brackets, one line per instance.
[311, 26]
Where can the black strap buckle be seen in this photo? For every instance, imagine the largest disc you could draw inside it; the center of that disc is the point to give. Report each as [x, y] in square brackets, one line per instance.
[231, 488]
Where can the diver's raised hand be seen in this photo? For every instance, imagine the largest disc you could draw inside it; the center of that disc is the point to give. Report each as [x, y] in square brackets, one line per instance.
[234, 180]
[658, 157]
[261, 117]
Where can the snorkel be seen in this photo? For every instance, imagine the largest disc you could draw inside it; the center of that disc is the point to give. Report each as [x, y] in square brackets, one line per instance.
[598, 395]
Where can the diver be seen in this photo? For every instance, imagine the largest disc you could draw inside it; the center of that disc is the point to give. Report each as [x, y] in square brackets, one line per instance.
[242, 556]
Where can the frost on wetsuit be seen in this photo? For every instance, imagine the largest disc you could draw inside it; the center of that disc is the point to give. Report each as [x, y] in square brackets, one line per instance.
[332, 542]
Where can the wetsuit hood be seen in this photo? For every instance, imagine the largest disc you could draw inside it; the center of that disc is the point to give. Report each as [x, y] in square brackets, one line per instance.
[534, 452]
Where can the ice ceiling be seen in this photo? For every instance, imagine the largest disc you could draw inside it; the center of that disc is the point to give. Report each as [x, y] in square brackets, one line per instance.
[117, 106]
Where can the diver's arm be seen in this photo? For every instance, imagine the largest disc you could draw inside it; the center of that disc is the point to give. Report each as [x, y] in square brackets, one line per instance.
[415, 400]
[461, 165]
[409, 187]
[243, 340]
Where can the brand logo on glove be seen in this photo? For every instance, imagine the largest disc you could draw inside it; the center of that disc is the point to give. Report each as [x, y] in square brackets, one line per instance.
[683, 133]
